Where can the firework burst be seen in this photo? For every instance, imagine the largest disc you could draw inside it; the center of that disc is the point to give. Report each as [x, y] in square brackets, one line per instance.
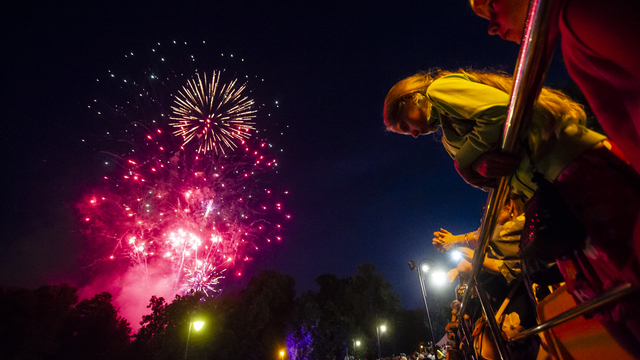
[214, 115]
[185, 211]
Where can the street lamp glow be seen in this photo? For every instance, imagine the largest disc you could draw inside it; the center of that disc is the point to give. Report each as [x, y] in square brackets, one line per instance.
[424, 266]
[456, 255]
[358, 343]
[439, 278]
[379, 329]
[198, 325]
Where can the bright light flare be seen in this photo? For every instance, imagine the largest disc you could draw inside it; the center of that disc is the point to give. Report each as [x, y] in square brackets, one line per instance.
[439, 278]
[456, 255]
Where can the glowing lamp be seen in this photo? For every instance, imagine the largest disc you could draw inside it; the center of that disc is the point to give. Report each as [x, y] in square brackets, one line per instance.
[197, 325]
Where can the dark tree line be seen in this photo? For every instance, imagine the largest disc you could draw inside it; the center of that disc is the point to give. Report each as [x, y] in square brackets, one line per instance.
[50, 323]
[256, 323]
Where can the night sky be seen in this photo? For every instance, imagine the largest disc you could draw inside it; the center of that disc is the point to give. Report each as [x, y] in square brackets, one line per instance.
[357, 193]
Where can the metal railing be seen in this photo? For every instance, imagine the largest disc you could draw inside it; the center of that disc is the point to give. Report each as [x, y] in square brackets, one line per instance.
[527, 83]
[536, 51]
[535, 54]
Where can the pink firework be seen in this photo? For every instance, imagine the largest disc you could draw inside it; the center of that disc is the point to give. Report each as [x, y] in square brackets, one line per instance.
[171, 205]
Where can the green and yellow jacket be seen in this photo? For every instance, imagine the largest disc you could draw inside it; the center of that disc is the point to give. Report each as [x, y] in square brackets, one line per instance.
[472, 117]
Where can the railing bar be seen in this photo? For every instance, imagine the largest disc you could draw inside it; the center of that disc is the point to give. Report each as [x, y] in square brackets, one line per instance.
[462, 323]
[536, 49]
[587, 306]
[527, 85]
[493, 325]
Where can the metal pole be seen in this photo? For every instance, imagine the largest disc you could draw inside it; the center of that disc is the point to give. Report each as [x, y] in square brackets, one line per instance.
[186, 348]
[378, 333]
[496, 331]
[587, 306]
[426, 305]
[354, 348]
[466, 337]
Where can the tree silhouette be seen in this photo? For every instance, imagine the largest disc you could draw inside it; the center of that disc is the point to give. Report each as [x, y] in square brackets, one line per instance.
[93, 330]
[31, 320]
[164, 332]
[328, 321]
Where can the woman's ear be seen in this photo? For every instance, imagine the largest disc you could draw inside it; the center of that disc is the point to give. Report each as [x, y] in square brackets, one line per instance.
[512, 207]
[479, 7]
[420, 100]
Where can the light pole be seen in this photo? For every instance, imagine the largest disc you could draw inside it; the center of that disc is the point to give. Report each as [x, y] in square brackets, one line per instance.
[380, 329]
[355, 343]
[196, 325]
[425, 266]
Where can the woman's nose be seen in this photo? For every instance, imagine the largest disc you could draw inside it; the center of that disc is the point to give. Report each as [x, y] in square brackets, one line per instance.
[494, 27]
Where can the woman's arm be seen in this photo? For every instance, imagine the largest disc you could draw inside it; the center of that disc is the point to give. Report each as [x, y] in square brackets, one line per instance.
[490, 265]
[463, 267]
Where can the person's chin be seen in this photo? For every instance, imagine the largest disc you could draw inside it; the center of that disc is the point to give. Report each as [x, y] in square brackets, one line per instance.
[516, 36]
[506, 36]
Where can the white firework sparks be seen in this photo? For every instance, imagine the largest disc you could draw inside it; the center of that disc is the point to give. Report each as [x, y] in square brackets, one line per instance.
[213, 114]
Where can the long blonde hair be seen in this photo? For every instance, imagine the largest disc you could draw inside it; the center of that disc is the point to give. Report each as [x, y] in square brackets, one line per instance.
[556, 110]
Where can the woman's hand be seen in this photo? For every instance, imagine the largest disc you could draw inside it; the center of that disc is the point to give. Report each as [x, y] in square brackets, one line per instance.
[464, 267]
[474, 179]
[496, 164]
[443, 240]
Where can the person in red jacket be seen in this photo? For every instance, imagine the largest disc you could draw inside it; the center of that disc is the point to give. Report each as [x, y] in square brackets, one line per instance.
[601, 53]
